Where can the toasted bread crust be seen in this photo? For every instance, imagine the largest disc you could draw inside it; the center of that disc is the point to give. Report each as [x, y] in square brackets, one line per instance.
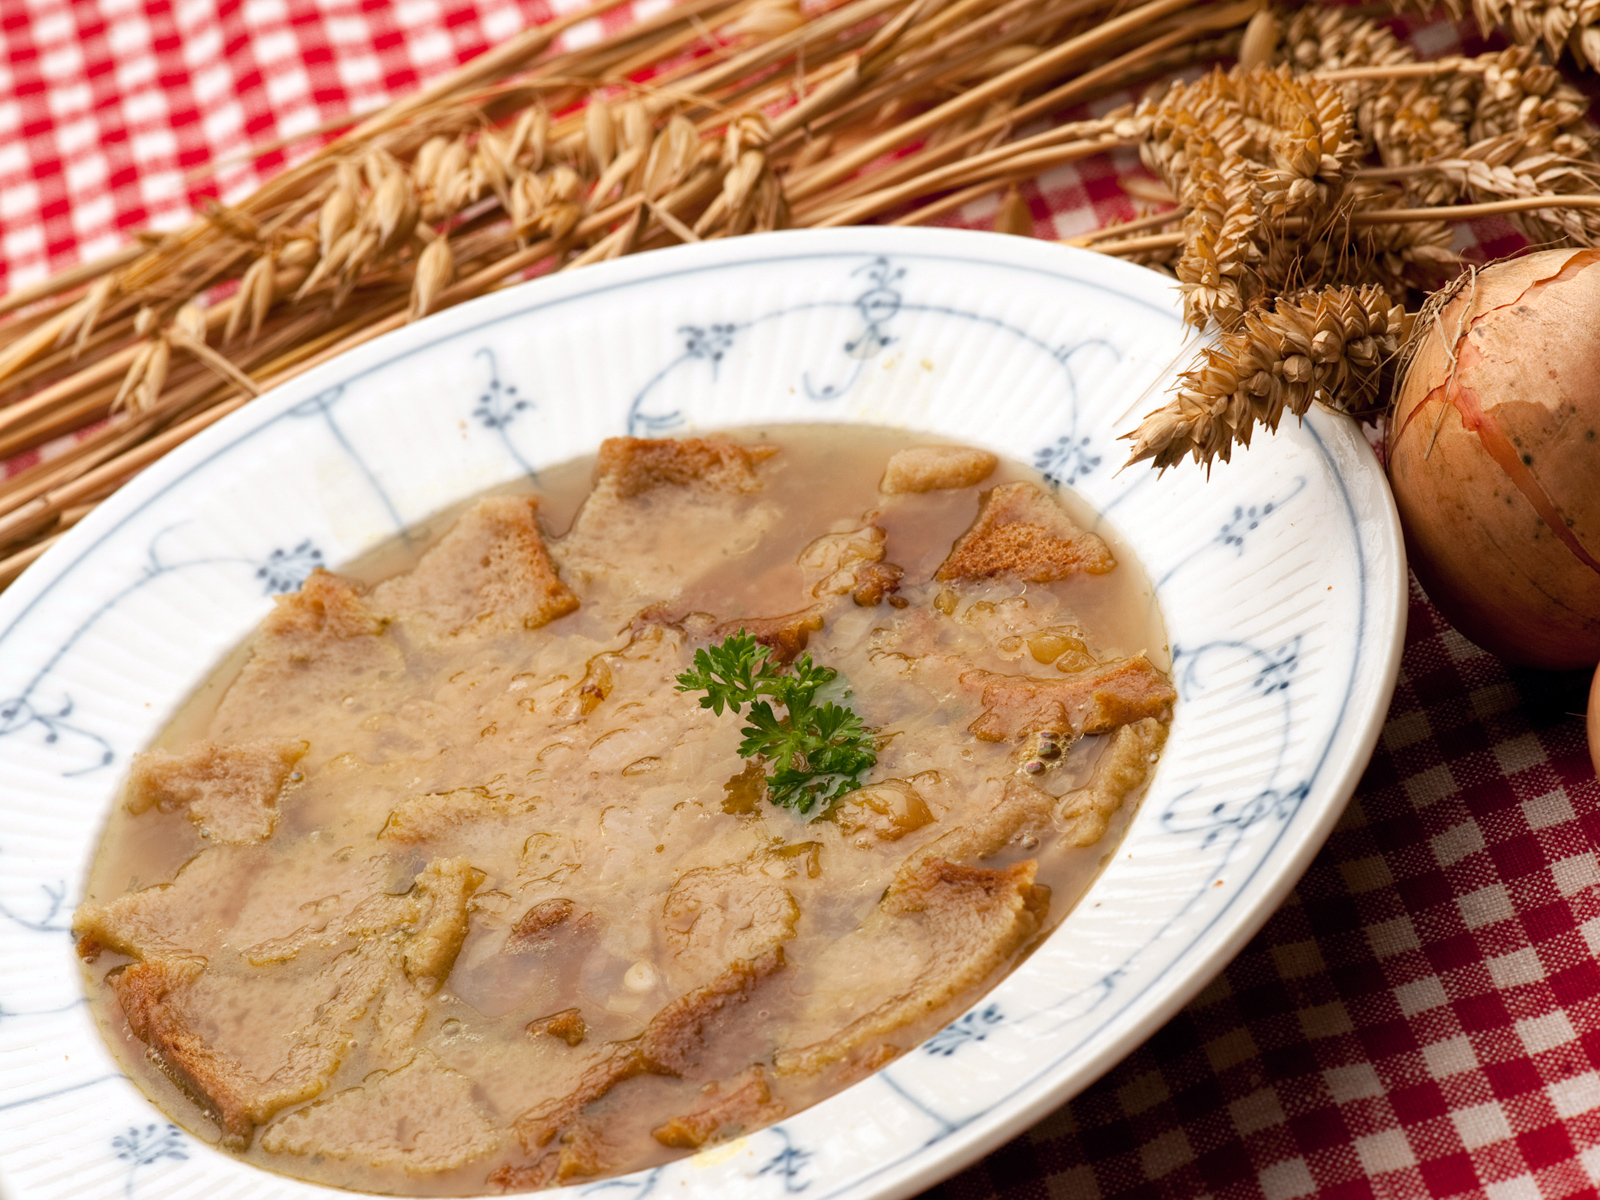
[490, 574]
[633, 466]
[785, 636]
[231, 791]
[1023, 533]
[326, 607]
[1088, 702]
[746, 1102]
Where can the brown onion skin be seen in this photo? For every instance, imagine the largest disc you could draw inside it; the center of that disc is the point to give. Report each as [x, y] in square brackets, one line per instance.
[1515, 452]
[1594, 722]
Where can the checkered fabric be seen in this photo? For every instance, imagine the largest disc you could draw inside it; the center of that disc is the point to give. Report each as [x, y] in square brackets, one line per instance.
[1421, 1019]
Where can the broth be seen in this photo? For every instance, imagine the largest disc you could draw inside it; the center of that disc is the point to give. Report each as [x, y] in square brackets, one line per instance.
[511, 910]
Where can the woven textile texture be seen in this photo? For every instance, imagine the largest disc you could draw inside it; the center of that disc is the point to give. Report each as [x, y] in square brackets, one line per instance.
[1421, 1019]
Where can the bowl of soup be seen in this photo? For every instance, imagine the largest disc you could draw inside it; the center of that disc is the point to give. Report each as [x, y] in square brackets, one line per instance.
[717, 721]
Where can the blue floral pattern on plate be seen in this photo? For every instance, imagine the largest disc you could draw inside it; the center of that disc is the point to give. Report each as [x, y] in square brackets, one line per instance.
[1033, 350]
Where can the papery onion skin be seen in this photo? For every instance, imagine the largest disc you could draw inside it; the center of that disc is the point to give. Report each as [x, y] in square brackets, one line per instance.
[1495, 459]
[1594, 722]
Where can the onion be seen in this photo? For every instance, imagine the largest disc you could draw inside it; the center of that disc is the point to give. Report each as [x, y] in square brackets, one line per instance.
[1594, 722]
[1494, 458]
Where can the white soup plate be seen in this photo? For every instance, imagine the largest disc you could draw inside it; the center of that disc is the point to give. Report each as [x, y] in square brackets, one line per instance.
[1281, 579]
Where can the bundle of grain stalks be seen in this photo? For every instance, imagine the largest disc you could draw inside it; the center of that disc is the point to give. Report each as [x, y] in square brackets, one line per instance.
[1309, 189]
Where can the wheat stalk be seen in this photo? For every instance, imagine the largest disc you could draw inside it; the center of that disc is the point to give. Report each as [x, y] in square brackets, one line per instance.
[1559, 26]
[1330, 159]
[1342, 168]
[1329, 346]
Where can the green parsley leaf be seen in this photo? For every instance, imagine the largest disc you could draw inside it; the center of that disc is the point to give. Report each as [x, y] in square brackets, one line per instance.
[816, 753]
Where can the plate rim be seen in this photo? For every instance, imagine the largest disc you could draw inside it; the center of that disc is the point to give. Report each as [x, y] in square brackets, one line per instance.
[1023, 1108]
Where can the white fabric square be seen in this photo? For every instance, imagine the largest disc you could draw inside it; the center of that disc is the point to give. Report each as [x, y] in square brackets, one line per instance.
[85, 174]
[1143, 1093]
[23, 242]
[274, 46]
[1515, 969]
[1388, 938]
[146, 107]
[77, 139]
[1287, 1180]
[265, 12]
[1454, 844]
[288, 86]
[1539, 1034]
[1259, 1110]
[1420, 995]
[1450, 1057]
[13, 156]
[1430, 786]
[67, 99]
[1552, 808]
[153, 146]
[1386, 1151]
[1406, 730]
[1326, 1020]
[1519, 1187]
[1572, 1097]
[1481, 1126]
[92, 215]
[1359, 1081]
[1573, 875]
[1486, 906]
[1166, 1153]
[19, 202]
[1075, 1183]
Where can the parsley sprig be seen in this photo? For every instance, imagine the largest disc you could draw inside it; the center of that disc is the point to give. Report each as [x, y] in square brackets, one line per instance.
[817, 752]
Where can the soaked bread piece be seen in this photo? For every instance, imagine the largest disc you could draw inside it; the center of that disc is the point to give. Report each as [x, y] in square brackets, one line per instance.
[151, 994]
[432, 912]
[936, 468]
[785, 636]
[970, 919]
[180, 1006]
[312, 648]
[662, 513]
[671, 1044]
[307, 624]
[730, 1109]
[716, 915]
[490, 574]
[420, 1118]
[1023, 533]
[538, 1127]
[419, 818]
[675, 1039]
[630, 467]
[1123, 767]
[1022, 809]
[1087, 702]
[165, 919]
[440, 897]
[174, 1005]
[230, 792]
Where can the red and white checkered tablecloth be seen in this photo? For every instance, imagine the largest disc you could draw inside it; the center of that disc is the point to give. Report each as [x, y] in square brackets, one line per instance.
[1422, 1018]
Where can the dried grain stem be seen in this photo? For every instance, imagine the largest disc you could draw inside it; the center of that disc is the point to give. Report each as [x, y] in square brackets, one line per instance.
[1329, 347]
